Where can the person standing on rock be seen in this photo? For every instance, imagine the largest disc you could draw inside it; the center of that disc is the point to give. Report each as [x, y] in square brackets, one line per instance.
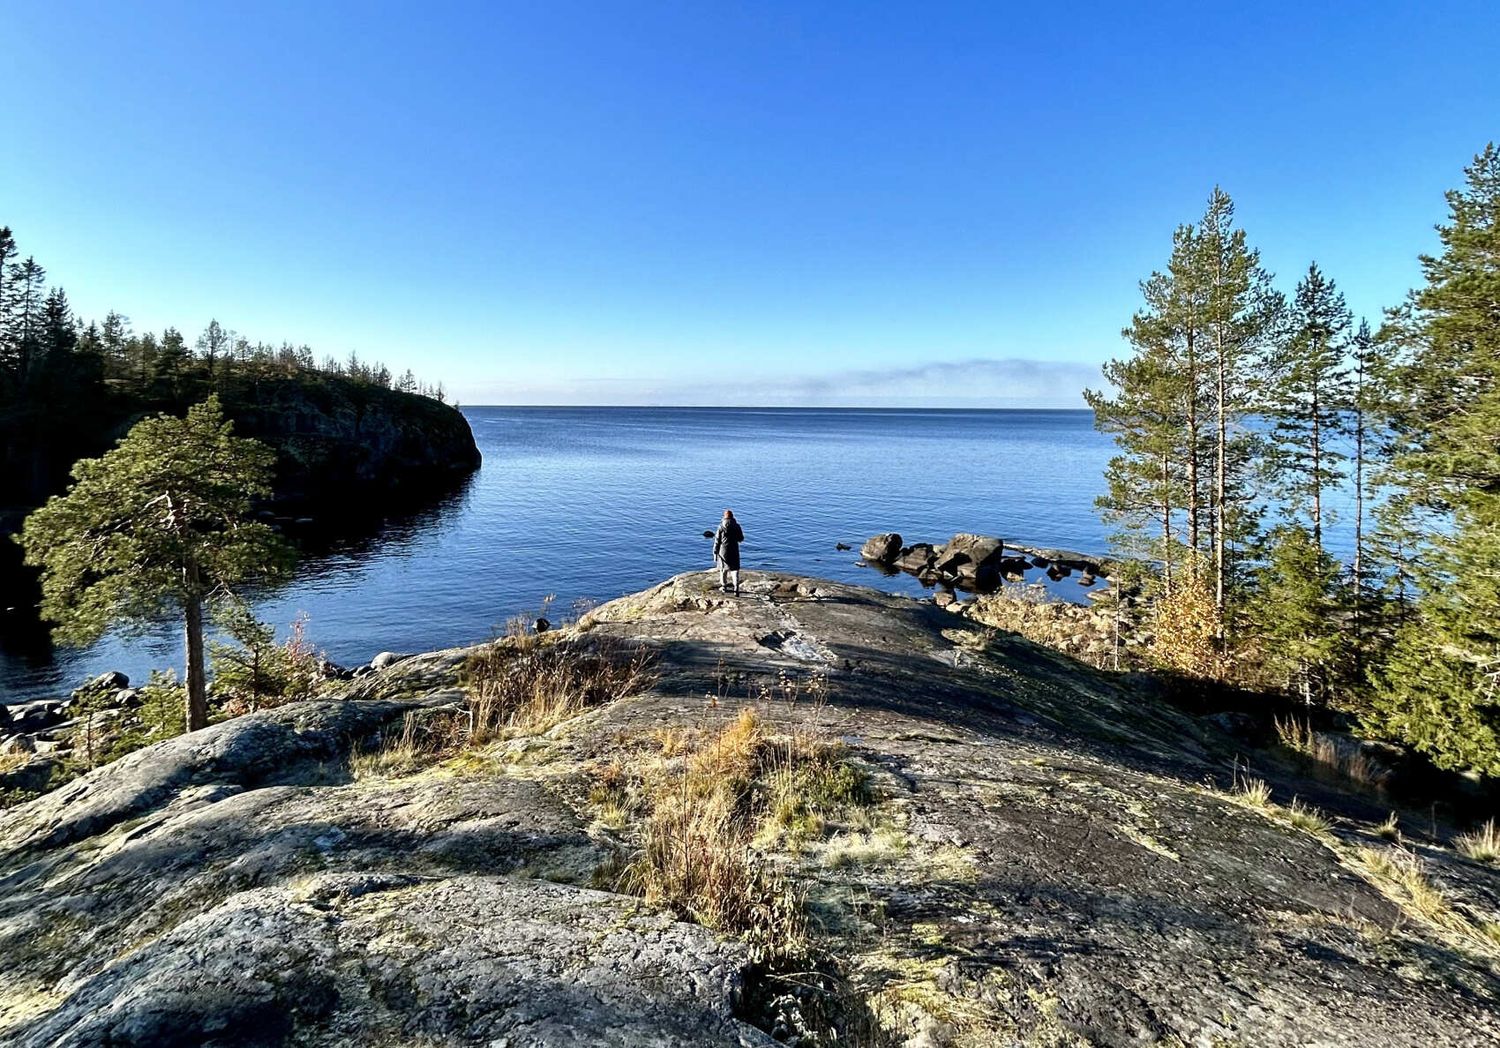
[727, 552]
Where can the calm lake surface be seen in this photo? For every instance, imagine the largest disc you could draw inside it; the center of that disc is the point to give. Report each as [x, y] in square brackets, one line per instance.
[592, 503]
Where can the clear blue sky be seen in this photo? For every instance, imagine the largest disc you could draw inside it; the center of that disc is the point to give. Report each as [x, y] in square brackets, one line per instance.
[721, 203]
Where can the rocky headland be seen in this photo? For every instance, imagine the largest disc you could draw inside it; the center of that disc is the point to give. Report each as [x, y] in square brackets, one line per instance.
[961, 837]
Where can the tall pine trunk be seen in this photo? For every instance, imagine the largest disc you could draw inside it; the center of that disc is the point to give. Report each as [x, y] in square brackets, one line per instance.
[1221, 480]
[1317, 470]
[1166, 522]
[197, 686]
[1192, 450]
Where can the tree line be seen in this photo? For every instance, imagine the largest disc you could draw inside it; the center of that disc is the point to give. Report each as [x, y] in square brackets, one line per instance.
[54, 364]
[1243, 414]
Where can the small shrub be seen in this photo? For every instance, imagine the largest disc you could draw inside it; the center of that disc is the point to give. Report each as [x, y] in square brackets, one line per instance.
[160, 716]
[253, 672]
[1186, 629]
[1482, 845]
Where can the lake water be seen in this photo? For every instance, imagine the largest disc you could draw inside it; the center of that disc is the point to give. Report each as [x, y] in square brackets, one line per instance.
[598, 502]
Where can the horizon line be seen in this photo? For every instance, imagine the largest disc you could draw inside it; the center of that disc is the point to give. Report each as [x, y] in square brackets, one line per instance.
[774, 407]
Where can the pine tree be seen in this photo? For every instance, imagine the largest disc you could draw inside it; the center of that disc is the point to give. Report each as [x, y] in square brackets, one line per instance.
[1370, 408]
[1242, 315]
[156, 525]
[1440, 687]
[1146, 480]
[1294, 612]
[213, 344]
[172, 359]
[23, 346]
[1309, 399]
[8, 252]
[59, 333]
[114, 337]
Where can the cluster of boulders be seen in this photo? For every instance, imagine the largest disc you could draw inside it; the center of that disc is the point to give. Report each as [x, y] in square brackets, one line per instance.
[979, 563]
[44, 726]
[38, 736]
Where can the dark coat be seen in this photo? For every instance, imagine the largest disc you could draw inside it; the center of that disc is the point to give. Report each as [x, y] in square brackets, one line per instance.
[727, 544]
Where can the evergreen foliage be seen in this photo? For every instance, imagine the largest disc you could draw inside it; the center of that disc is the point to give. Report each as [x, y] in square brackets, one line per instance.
[67, 387]
[1227, 385]
[1295, 611]
[1309, 400]
[251, 670]
[1440, 687]
[154, 527]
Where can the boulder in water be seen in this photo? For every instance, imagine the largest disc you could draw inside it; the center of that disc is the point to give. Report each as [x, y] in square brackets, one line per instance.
[975, 559]
[882, 548]
[916, 558]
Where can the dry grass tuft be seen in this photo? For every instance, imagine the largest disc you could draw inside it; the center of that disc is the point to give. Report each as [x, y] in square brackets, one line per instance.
[1482, 845]
[1400, 873]
[1307, 818]
[1390, 829]
[1253, 793]
[523, 684]
[10, 762]
[421, 741]
[527, 683]
[1324, 751]
[707, 804]
[879, 847]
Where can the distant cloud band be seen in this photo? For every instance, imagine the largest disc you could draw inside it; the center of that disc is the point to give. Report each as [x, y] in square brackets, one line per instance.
[977, 382]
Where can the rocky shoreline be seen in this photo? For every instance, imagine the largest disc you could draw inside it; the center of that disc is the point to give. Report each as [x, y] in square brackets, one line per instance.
[1039, 853]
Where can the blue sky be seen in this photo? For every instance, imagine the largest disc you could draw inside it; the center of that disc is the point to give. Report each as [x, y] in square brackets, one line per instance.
[722, 203]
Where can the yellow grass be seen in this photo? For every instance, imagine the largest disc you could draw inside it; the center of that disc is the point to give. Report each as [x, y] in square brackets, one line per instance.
[1482, 845]
[1320, 749]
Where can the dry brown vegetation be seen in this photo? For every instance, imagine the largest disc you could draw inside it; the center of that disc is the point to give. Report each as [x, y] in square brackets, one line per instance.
[1482, 845]
[526, 683]
[1324, 751]
[520, 684]
[708, 803]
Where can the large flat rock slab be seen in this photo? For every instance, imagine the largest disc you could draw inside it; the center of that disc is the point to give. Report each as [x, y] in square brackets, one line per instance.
[371, 959]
